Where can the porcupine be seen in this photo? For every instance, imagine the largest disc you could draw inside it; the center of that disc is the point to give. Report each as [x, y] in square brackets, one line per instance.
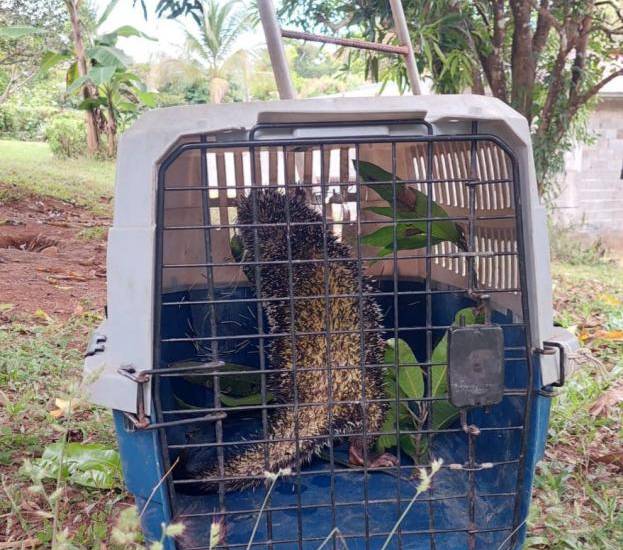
[307, 279]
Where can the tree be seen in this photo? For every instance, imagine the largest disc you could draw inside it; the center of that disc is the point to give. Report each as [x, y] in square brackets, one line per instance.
[546, 58]
[81, 64]
[99, 70]
[27, 29]
[212, 45]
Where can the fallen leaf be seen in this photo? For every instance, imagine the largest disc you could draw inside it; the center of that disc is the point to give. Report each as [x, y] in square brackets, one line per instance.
[50, 251]
[41, 315]
[607, 400]
[66, 407]
[609, 299]
[612, 335]
[6, 307]
[615, 459]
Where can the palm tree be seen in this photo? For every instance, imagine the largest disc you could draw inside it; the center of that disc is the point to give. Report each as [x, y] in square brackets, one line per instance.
[218, 29]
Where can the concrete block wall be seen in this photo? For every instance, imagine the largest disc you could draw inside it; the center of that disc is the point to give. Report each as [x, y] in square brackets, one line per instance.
[592, 189]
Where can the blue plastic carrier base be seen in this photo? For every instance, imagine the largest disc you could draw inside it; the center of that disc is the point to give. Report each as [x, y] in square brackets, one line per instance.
[364, 508]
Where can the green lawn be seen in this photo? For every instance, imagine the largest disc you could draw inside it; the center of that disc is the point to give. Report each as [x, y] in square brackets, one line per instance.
[30, 167]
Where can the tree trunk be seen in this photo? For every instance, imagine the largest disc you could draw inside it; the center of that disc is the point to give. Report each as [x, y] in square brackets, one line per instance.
[73, 7]
[111, 130]
[523, 67]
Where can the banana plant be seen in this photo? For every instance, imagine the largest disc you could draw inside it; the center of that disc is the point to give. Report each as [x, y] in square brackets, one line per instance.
[100, 67]
[411, 413]
[411, 210]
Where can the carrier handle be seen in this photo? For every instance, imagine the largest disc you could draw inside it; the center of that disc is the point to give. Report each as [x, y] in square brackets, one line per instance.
[274, 42]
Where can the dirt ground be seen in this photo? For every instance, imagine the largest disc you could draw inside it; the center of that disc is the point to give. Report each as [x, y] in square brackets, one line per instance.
[52, 258]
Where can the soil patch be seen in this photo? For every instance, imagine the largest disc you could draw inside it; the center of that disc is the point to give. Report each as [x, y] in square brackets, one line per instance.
[46, 262]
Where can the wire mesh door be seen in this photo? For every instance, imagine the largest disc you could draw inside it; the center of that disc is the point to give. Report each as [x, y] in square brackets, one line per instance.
[305, 292]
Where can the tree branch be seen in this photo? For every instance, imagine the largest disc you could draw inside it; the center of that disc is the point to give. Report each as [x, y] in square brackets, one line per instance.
[523, 64]
[581, 47]
[543, 25]
[586, 96]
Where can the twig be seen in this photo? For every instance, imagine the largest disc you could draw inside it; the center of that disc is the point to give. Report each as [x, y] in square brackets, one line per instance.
[14, 506]
[274, 478]
[422, 487]
[26, 543]
[157, 486]
[512, 533]
[335, 531]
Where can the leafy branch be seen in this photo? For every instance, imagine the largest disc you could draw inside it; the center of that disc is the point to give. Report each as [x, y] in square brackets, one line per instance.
[411, 214]
[411, 413]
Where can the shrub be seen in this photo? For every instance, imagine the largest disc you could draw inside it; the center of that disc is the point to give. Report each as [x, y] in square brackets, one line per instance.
[66, 135]
[24, 122]
[570, 244]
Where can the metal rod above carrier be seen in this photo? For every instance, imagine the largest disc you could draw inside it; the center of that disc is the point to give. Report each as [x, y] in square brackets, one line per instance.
[274, 34]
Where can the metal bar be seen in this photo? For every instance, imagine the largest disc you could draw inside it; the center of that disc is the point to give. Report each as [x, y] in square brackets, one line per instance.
[376, 535]
[345, 504]
[294, 367]
[243, 442]
[350, 140]
[260, 323]
[396, 366]
[275, 49]
[351, 295]
[209, 274]
[362, 352]
[348, 42]
[327, 328]
[402, 31]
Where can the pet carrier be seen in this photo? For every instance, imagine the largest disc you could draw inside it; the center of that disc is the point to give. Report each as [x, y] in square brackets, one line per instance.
[430, 204]
[310, 300]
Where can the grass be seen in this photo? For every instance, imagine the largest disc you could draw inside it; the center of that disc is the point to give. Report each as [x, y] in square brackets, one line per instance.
[40, 362]
[30, 167]
[578, 498]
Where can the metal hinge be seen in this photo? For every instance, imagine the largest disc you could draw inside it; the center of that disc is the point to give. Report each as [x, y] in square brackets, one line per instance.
[96, 344]
[140, 421]
[549, 348]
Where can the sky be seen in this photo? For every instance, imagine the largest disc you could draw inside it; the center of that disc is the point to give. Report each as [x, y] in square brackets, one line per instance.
[170, 33]
[171, 36]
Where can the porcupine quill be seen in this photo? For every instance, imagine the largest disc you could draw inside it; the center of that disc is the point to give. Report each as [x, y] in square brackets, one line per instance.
[265, 208]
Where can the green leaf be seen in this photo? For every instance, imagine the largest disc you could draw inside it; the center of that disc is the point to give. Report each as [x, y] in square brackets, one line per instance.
[87, 464]
[255, 399]
[109, 56]
[101, 75]
[408, 237]
[15, 32]
[389, 425]
[443, 411]
[147, 98]
[51, 59]
[444, 231]
[72, 74]
[77, 84]
[233, 385]
[92, 103]
[237, 247]
[128, 31]
[107, 11]
[410, 378]
[416, 207]
[409, 446]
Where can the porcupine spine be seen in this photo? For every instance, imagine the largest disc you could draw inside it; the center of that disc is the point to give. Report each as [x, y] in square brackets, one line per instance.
[307, 242]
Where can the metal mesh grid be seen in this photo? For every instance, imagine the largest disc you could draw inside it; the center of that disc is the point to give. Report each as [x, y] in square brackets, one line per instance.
[474, 178]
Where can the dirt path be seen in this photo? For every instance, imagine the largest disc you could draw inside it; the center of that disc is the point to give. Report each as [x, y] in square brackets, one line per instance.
[52, 258]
